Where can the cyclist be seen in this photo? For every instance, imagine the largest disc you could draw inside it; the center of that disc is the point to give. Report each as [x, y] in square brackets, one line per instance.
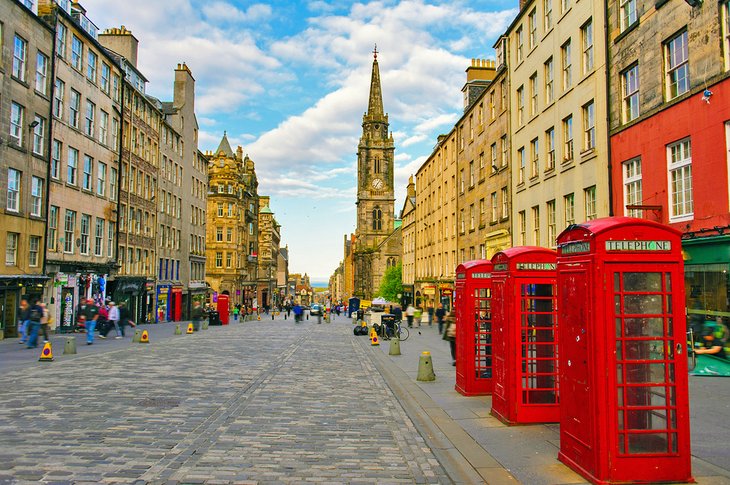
[714, 338]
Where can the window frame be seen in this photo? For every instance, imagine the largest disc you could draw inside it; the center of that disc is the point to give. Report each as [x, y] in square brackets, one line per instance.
[20, 58]
[684, 165]
[77, 57]
[36, 196]
[41, 73]
[630, 99]
[589, 126]
[15, 180]
[587, 45]
[17, 122]
[632, 186]
[12, 241]
[672, 71]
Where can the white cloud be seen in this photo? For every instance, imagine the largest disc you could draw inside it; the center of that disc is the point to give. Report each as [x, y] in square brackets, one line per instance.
[225, 12]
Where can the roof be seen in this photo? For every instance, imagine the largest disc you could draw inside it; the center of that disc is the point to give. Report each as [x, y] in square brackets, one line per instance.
[467, 265]
[265, 210]
[225, 147]
[598, 226]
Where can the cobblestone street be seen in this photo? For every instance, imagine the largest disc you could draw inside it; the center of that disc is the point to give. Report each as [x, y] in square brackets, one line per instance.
[259, 402]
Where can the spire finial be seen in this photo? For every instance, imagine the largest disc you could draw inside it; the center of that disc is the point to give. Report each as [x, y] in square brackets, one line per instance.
[375, 52]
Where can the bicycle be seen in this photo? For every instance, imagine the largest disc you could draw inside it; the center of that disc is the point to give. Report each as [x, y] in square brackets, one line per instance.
[398, 331]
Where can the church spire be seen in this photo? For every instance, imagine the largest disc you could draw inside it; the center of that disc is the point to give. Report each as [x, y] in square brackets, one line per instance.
[375, 104]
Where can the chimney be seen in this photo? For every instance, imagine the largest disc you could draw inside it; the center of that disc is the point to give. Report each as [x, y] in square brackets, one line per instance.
[239, 153]
[478, 76]
[121, 41]
[184, 92]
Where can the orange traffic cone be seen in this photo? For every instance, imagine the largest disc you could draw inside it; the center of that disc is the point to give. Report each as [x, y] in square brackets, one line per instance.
[374, 340]
[46, 353]
[190, 328]
[145, 338]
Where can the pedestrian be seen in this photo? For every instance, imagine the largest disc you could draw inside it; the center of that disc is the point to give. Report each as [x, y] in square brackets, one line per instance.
[81, 316]
[440, 314]
[91, 312]
[397, 313]
[410, 311]
[298, 313]
[112, 321]
[124, 317]
[430, 314]
[235, 313]
[46, 321]
[103, 322]
[35, 314]
[198, 315]
[450, 335]
[23, 311]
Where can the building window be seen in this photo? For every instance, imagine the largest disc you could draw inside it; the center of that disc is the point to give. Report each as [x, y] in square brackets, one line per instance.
[521, 170]
[568, 138]
[547, 7]
[229, 234]
[20, 57]
[493, 152]
[520, 44]
[472, 217]
[569, 204]
[589, 196]
[11, 248]
[533, 94]
[36, 196]
[520, 106]
[17, 120]
[76, 52]
[61, 39]
[472, 176]
[69, 226]
[589, 126]
[101, 179]
[13, 204]
[505, 203]
[219, 259]
[462, 222]
[90, 111]
[630, 89]
[105, 74]
[505, 150]
[632, 187]
[677, 65]
[34, 244]
[39, 134]
[111, 233]
[628, 13]
[58, 94]
[229, 259]
[726, 33]
[495, 206]
[534, 157]
[73, 165]
[91, 66]
[377, 219]
[532, 21]
[551, 223]
[680, 179]
[587, 35]
[85, 228]
[550, 149]
[462, 182]
[74, 106]
[219, 234]
[522, 224]
[103, 126]
[565, 5]
[41, 73]
[567, 65]
[86, 178]
[549, 92]
[52, 227]
[536, 225]
[99, 237]
[482, 213]
[220, 209]
[56, 148]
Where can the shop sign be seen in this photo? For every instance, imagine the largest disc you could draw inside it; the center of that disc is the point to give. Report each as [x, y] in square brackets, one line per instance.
[575, 247]
[638, 245]
[429, 290]
[536, 266]
[447, 291]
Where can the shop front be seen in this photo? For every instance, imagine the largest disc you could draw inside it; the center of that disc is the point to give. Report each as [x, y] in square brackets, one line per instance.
[707, 276]
[67, 292]
[162, 300]
[137, 294]
[12, 288]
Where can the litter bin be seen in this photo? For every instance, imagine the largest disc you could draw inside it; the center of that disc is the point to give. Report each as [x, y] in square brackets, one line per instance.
[387, 325]
[214, 318]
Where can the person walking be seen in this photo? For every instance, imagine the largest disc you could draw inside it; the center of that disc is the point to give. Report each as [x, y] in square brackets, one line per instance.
[235, 313]
[35, 314]
[450, 335]
[103, 321]
[440, 314]
[91, 312]
[198, 316]
[45, 322]
[23, 311]
[124, 318]
[410, 312]
[112, 321]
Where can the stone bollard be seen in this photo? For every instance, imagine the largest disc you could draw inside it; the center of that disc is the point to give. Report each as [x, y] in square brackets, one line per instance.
[394, 346]
[178, 330]
[205, 324]
[137, 335]
[70, 346]
[425, 368]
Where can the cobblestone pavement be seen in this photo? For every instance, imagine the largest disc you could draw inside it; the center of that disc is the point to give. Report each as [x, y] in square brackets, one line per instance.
[259, 402]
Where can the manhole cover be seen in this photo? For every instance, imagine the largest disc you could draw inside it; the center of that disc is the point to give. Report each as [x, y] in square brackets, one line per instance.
[159, 402]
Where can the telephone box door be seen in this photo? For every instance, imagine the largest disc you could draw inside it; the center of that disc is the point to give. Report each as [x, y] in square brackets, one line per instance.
[223, 309]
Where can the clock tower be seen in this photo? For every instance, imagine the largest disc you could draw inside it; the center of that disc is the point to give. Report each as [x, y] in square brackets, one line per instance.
[375, 192]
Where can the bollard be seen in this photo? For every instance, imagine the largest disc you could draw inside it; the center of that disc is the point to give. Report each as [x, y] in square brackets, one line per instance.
[178, 331]
[272, 316]
[425, 367]
[394, 346]
[137, 335]
[70, 346]
[205, 324]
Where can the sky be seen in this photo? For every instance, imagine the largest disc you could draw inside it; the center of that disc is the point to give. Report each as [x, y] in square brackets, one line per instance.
[289, 82]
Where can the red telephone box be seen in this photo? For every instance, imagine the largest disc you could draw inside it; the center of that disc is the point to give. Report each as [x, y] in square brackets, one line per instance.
[524, 333]
[623, 369]
[472, 306]
[176, 306]
[223, 309]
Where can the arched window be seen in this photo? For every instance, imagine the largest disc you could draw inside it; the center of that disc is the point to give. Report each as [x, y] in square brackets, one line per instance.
[390, 262]
[377, 219]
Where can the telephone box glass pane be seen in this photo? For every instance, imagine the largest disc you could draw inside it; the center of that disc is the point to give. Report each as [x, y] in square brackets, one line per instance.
[644, 366]
[539, 359]
[482, 333]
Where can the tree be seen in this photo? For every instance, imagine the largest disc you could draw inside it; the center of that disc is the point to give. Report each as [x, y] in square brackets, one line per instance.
[392, 284]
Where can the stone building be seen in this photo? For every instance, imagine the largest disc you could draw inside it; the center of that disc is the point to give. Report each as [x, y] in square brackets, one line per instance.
[378, 240]
[269, 241]
[282, 274]
[26, 50]
[436, 225]
[303, 292]
[84, 163]
[134, 282]
[408, 231]
[232, 225]
[669, 89]
[555, 54]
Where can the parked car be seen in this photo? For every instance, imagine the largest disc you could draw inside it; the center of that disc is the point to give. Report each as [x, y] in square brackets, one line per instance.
[316, 310]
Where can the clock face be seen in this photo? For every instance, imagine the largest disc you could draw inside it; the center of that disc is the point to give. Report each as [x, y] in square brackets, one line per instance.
[377, 184]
